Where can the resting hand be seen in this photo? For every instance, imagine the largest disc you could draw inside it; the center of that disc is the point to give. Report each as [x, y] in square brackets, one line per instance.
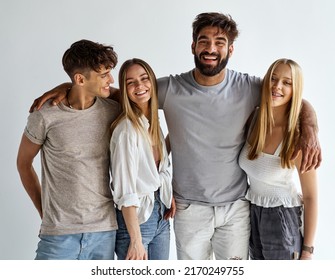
[170, 213]
[136, 251]
[57, 94]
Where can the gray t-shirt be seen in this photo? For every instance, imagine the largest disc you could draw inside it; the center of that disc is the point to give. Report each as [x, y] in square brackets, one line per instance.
[206, 127]
[76, 194]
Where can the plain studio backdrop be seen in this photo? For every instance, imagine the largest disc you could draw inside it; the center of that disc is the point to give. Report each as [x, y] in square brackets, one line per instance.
[35, 33]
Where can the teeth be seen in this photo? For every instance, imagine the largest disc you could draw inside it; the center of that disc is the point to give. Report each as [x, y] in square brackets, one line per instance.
[140, 93]
[210, 57]
[277, 94]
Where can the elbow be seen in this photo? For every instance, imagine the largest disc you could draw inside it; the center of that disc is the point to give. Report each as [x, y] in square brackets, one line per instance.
[19, 164]
[22, 165]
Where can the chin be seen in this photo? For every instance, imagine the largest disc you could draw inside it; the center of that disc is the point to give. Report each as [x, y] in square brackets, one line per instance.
[105, 94]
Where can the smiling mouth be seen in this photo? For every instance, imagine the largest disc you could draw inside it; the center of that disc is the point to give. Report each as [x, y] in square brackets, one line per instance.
[277, 94]
[206, 56]
[209, 58]
[140, 93]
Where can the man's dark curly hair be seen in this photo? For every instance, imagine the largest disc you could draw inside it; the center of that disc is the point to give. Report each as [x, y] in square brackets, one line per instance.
[84, 56]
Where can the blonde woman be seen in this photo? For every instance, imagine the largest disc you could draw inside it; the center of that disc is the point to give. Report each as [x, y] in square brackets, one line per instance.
[139, 161]
[276, 205]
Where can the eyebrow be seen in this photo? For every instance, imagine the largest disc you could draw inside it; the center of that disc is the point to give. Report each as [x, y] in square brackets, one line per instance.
[106, 72]
[221, 38]
[288, 78]
[144, 74]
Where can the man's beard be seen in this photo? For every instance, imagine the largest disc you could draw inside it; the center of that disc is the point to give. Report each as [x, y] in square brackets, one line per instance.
[208, 70]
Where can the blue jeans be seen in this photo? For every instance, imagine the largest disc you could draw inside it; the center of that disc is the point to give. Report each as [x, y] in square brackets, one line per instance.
[82, 246]
[155, 234]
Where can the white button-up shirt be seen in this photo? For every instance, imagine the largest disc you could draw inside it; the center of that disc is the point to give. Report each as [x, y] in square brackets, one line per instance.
[135, 177]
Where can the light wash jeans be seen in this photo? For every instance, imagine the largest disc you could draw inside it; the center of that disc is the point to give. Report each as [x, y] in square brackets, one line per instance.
[155, 234]
[83, 246]
[202, 231]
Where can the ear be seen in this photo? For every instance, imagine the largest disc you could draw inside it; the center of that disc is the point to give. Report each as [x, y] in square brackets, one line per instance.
[78, 79]
[231, 50]
[193, 47]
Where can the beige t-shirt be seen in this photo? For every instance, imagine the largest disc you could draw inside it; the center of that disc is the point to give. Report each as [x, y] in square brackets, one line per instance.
[76, 194]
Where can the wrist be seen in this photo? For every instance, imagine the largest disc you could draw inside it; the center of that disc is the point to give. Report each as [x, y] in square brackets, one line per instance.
[308, 249]
[306, 255]
[136, 240]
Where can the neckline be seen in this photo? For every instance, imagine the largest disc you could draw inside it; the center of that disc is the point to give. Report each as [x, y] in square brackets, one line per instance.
[66, 107]
[211, 87]
[73, 108]
[276, 152]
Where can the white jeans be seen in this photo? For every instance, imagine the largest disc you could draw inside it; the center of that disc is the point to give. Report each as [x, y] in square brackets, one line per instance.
[201, 231]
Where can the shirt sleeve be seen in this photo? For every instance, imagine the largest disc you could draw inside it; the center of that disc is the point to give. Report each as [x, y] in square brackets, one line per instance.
[257, 90]
[35, 129]
[162, 84]
[124, 166]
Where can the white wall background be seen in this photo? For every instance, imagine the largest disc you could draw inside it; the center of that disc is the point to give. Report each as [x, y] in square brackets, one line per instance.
[35, 33]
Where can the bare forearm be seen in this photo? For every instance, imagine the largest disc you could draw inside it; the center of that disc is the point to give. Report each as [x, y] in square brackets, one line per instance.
[308, 142]
[133, 227]
[58, 93]
[62, 87]
[32, 186]
[308, 116]
[310, 223]
[136, 250]
[310, 220]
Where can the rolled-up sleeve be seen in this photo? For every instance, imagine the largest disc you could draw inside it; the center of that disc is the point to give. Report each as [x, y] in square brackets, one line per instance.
[124, 167]
[35, 129]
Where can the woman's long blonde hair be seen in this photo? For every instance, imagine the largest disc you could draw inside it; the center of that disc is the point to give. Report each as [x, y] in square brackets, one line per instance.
[132, 112]
[265, 122]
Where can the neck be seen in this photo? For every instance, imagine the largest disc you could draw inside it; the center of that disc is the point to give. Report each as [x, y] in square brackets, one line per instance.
[78, 101]
[145, 110]
[208, 80]
[280, 116]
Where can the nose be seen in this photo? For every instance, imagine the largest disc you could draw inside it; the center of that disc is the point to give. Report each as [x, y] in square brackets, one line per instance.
[211, 47]
[138, 84]
[277, 84]
[110, 78]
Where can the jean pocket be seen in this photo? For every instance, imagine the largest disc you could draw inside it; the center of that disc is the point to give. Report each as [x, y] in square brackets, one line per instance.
[182, 206]
[292, 220]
